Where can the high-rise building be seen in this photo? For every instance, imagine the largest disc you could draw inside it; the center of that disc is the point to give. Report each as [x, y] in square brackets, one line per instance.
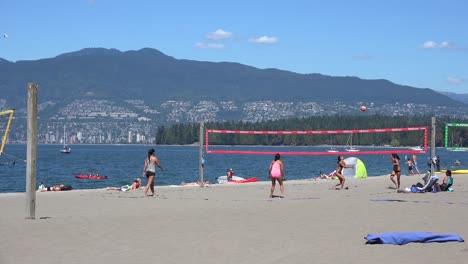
[129, 137]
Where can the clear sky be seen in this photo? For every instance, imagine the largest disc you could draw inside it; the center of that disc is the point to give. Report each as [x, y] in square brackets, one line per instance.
[410, 42]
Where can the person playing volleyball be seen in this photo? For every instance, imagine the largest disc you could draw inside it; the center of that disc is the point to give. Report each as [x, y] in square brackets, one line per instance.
[339, 172]
[276, 173]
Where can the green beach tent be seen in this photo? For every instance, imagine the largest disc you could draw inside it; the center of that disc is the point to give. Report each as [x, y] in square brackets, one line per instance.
[357, 171]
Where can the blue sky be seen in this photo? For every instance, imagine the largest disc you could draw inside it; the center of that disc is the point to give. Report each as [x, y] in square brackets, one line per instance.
[417, 43]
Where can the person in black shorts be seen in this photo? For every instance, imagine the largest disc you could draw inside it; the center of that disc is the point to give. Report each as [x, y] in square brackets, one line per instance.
[396, 170]
[410, 166]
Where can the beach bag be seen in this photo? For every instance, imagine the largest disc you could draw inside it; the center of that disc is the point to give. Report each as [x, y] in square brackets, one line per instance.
[414, 189]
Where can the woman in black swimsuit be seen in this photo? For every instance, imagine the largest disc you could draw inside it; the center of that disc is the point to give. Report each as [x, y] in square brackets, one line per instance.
[339, 171]
[396, 170]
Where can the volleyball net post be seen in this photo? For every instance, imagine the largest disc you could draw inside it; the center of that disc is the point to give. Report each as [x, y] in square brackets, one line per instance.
[201, 159]
[316, 132]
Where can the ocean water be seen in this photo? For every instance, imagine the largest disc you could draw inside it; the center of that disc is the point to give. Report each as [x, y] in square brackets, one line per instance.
[123, 163]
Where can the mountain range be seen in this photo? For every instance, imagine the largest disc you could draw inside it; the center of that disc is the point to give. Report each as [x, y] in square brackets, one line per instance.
[155, 78]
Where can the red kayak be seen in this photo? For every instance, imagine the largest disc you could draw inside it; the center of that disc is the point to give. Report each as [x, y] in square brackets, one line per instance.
[91, 177]
[253, 179]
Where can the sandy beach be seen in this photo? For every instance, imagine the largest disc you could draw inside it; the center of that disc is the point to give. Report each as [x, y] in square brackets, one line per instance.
[235, 224]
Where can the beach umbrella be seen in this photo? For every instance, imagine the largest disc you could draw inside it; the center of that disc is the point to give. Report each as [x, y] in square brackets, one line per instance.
[358, 169]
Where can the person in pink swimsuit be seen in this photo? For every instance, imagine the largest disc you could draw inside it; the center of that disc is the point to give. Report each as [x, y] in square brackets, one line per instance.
[276, 173]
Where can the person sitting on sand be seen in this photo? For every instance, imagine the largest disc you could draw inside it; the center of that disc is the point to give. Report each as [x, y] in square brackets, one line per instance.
[447, 181]
[41, 186]
[56, 188]
[134, 186]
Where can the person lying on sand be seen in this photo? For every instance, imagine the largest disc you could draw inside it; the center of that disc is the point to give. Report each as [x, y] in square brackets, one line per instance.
[324, 176]
[134, 186]
[194, 183]
[55, 188]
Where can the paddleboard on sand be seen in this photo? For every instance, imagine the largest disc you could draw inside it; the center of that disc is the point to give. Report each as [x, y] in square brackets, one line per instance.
[456, 171]
[236, 179]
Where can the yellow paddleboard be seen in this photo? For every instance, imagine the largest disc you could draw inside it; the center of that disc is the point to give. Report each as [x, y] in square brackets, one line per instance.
[457, 171]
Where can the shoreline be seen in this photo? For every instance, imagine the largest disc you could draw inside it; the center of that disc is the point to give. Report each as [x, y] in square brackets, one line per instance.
[348, 179]
[260, 182]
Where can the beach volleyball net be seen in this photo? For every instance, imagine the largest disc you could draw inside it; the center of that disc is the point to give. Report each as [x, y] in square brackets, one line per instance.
[287, 138]
[455, 136]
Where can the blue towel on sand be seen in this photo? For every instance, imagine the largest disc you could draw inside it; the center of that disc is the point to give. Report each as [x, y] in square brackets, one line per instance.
[401, 238]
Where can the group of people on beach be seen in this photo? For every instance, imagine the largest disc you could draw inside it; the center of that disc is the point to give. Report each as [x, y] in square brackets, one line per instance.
[276, 174]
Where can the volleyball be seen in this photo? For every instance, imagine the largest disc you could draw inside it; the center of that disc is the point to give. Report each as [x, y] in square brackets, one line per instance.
[363, 108]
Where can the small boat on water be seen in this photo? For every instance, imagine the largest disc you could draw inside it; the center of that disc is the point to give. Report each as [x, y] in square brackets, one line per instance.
[332, 150]
[66, 149]
[351, 148]
[417, 148]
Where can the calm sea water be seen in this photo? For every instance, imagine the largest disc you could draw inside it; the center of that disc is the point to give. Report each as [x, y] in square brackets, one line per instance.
[123, 163]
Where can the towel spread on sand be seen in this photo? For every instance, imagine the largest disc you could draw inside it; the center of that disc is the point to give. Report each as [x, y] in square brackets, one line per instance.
[401, 238]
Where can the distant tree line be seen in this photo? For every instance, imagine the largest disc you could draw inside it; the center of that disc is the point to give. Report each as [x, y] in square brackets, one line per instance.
[189, 133]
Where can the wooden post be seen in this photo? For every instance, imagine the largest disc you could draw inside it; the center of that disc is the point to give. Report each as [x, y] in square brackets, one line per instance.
[201, 159]
[433, 133]
[31, 152]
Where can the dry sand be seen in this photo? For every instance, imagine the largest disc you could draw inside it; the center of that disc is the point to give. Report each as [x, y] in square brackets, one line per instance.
[234, 224]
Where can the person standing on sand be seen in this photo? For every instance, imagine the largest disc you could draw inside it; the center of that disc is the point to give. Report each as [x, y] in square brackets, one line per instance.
[410, 167]
[339, 172]
[396, 170]
[415, 163]
[229, 175]
[149, 170]
[276, 173]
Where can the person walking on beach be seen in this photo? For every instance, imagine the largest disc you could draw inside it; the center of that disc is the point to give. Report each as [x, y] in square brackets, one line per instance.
[410, 167]
[276, 173]
[415, 163]
[396, 170]
[339, 172]
[149, 170]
